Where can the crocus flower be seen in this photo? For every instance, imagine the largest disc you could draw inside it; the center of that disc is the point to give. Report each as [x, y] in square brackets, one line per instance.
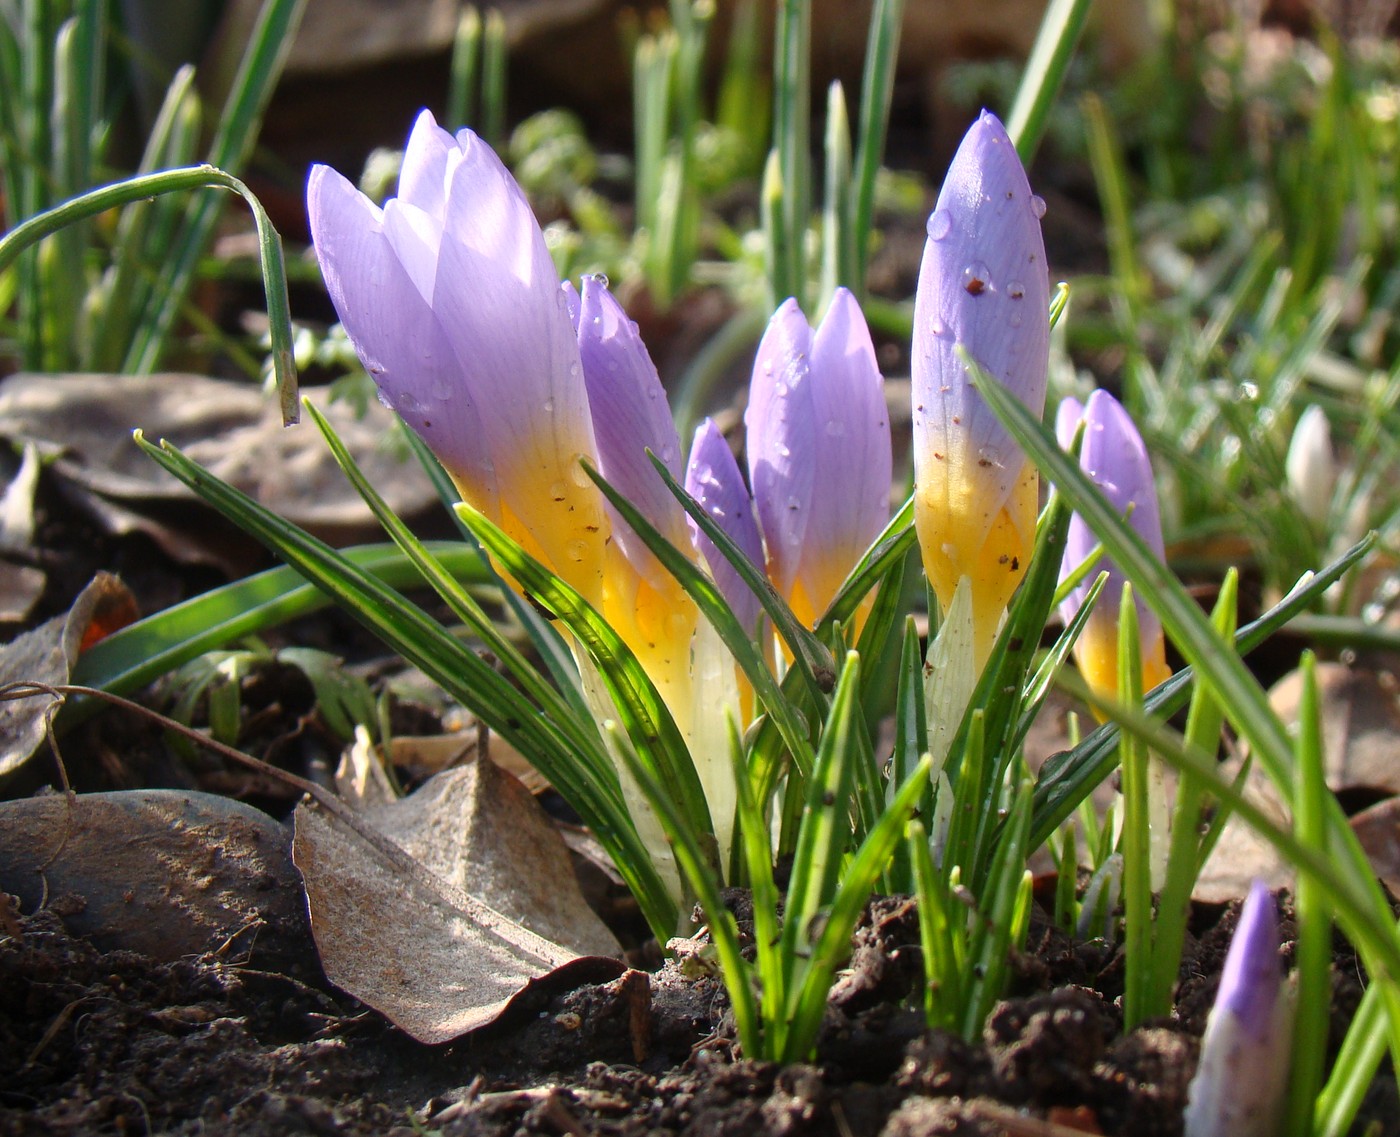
[1112, 454]
[983, 288]
[712, 477]
[818, 444]
[1239, 1085]
[642, 601]
[453, 304]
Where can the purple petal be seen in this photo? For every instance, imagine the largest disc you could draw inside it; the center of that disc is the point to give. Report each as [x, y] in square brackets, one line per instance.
[1252, 975]
[851, 486]
[983, 285]
[398, 337]
[712, 477]
[779, 441]
[630, 416]
[1115, 459]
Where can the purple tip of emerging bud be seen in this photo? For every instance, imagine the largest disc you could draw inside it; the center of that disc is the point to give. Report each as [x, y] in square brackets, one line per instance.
[1252, 975]
[712, 477]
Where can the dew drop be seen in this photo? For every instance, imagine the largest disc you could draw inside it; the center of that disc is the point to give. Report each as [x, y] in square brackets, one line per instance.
[1248, 392]
[1015, 320]
[782, 451]
[558, 492]
[577, 474]
[950, 550]
[976, 278]
[548, 406]
[835, 428]
[576, 550]
[1016, 290]
[600, 278]
[1037, 205]
[940, 224]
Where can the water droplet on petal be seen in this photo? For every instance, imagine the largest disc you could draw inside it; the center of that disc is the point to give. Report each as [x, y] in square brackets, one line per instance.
[976, 278]
[600, 278]
[940, 224]
[548, 406]
[577, 550]
[782, 451]
[558, 492]
[1016, 290]
[577, 474]
[835, 427]
[1037, 205]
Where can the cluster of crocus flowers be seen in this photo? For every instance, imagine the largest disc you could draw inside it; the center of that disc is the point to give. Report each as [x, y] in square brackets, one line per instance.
[1238, 1090]
[817, 440]
[984, 295]
[1114, 457]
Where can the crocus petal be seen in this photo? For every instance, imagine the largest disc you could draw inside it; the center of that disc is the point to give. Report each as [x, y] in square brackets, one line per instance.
[400, 340]
[1115, 458]
[630, 417]
[712, 477]
[490, 375]
[1311, 466]
[780, 432]
[983, 287]
[1242, 1076]
[851, 486]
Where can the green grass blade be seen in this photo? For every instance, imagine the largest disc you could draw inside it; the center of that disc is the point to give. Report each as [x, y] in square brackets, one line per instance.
[876, 94]
[1045, 73]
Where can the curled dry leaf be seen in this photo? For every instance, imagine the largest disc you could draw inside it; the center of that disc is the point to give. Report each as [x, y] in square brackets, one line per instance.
[45, 655]
[406, 939]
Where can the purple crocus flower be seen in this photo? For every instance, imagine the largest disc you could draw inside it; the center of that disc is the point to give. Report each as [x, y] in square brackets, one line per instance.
[712, 477]
[818, 446]
[1112, 454]
[642, 601]
[1239, 1085]
[983, 287]
[453, 304]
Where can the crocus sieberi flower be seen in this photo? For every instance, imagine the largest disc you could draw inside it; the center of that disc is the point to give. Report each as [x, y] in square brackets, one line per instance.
[453, 304]
[642, 601]
[1240, 1083]
[983, 289]
[1112, 454]
[818, 446]
[1311, 466]
[712, 477]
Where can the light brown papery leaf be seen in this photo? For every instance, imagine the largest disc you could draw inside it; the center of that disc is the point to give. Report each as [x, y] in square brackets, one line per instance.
[1378, 830]
[46, 655]
[416, 948]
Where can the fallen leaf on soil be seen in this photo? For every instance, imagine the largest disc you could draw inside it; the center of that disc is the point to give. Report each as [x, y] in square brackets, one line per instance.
[411, 944]
[1361, 753]
[45, 655]
[479, 828]
[1378, 830]
[167, 873]
[85, 422]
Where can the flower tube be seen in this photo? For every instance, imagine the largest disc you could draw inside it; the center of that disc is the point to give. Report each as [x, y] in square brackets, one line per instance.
[453, 304]
[1112, 454]
[818, 443]
[712, 477]
[1239, 1085]
[983, 288]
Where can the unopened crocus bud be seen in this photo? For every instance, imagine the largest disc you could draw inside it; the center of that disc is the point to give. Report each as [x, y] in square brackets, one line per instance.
[983, 289]
[1112, 454]
[1311, 466]
[1240, 1084]
[818, 444]
[712, 477]
[453, 304]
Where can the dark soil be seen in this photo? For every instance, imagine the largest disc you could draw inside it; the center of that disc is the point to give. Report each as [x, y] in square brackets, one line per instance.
[112, 1042]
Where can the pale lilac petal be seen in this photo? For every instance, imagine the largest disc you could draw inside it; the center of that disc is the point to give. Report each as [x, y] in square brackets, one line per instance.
[712, 477]
[398, 338]
[427, 159]
[984, 286]
[1115, 458]
[779, 441]
[630, 416]
[1067, 417]
[851, 486]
